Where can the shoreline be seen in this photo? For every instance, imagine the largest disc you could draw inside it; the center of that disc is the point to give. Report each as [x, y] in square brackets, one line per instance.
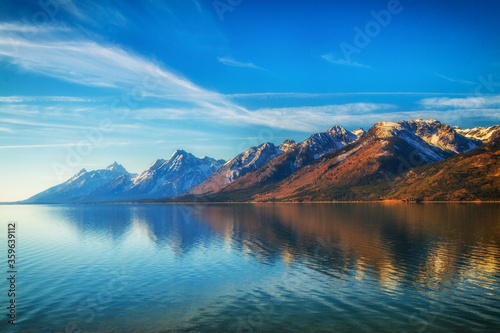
[254, 202]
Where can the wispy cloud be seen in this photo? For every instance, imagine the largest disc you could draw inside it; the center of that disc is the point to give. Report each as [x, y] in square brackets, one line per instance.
[330, 58]
[313, 118]
[95, 13]
[300, 95]
[76, 144]
[27, 99]
[70, 57]
[455, 80]
[29, 30]
[88, 63]
[231, 62]
[6, 130]
[461, 103]
[58, 125]
[304, 119]
[73, 58]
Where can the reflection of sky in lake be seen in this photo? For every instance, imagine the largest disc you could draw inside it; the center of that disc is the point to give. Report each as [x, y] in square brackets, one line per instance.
[258, 267]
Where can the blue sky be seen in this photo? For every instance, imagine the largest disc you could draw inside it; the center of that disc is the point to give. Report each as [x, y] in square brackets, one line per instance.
[86, 83]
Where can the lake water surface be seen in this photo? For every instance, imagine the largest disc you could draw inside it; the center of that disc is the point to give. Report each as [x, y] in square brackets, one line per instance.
[255, 268]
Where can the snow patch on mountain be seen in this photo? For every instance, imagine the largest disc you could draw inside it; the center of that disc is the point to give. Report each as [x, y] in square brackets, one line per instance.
[358, 132]
[440, 135]
[485, 134]
[320, 144]
[387, 130]
[287, 145]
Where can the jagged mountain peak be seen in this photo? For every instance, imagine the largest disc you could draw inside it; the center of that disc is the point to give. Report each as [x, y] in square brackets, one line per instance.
[293, 159]
[81, 172]
[156, 164]
[425, 124]
[116, 168]
[334, 138]
[386, 125]
[287, 144]
[242, 164]
[358, 132]
[255, 155]
[166, 178]
[384, 129]
[433, 132]
[484, 134]
[80, 185]
[336, 130]
[440, 135]
[180, 152]
[266, 145]
[77, 175]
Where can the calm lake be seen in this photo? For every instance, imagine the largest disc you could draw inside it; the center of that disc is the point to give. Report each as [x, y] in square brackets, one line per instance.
[255, 268]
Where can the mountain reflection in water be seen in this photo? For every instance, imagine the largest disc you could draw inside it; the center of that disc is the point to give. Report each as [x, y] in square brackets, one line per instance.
[261, 267]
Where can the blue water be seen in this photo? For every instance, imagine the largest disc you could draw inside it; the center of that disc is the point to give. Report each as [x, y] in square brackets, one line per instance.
[255, 268]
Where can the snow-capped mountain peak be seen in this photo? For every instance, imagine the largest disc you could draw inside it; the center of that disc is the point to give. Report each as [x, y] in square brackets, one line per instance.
[156, 164]
[358, 132]
[243, 163]
[322, 143]
[434, 140]
[178, 152]
[287, 144]
[485, 134]
[80, 185]
[166, 178]
[440, 135]
[81, 172]
[115, 167]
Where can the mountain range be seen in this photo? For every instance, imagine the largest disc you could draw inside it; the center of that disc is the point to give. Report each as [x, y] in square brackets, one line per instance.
[163, 178]
[410, 160]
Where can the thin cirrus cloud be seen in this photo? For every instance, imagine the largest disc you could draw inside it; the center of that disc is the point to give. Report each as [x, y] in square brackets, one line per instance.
[300, 95]
[63, 126]
[28, 99]
[6, 130]
[314, 118]
[76, 144]
[302, 119]
[330, 58]
[67, 57]
[455, 80]
[481, 102]
[88, 63]
[234, 63]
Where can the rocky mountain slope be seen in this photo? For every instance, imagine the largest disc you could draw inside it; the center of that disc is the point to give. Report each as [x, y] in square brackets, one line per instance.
[361, 170]
[296, 158]
[474, 175]
[441, 135]
[485, 134]
[242, 164]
